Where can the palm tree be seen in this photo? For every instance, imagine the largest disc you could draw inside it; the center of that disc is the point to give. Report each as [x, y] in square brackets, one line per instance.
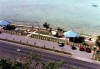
[46, 25]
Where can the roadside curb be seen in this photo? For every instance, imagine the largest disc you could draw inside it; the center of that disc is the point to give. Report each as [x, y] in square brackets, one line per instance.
[86, 60]
[49, 49]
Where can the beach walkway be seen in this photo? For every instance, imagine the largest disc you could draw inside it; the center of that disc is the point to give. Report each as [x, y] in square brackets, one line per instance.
[47, 44]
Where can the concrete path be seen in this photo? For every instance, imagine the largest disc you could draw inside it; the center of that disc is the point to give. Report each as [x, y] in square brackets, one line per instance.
[47, 44]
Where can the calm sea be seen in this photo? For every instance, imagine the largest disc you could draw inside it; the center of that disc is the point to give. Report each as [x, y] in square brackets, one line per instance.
[80, 15]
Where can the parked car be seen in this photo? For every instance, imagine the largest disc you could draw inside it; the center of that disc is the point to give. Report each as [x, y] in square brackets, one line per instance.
[73, 47]
[81, 48]
[88, 50]
[61, 44]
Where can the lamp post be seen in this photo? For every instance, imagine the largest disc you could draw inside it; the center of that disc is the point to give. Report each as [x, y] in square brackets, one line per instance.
[27, 41]
[20, 41]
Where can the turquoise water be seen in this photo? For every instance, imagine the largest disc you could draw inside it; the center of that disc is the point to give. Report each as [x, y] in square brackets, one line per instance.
[79, 15]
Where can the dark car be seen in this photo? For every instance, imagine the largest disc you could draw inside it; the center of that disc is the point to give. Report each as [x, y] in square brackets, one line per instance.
[73, 47]
[81, 48]
[61, 44]
[0, 32]
[88, 50]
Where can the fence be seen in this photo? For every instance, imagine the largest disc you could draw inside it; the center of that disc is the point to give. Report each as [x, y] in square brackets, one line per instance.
[35, 36]
[47, 38]
[14, 32]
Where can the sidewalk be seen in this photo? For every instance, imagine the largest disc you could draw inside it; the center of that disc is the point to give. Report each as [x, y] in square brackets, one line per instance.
[47, 44]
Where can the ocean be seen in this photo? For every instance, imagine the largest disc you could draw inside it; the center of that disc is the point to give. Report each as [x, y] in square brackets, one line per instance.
[80, 15]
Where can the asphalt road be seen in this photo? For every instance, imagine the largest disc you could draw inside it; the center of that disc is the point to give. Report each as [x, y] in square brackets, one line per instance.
[47, 44]
[9, 49]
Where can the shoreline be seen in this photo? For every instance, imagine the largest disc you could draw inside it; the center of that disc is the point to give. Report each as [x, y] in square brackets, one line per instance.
[25, 23]
[83, 34]
[38, 23]
[80, 31]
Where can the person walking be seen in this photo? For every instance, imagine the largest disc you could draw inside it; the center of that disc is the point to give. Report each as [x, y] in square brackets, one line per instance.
[94, 51]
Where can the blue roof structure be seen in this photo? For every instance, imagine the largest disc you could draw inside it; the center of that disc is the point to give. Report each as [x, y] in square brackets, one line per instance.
[71, 33]
[4, 22]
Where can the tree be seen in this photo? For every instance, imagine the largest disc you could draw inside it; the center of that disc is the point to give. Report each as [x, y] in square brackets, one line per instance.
[77, 39]
[52, 65]
[18, 65]
[98, 42]
[46, 25]
[5, 63]
[9, 27]
[32, 56]
[59, 29]
[74, 67]
[36, 65]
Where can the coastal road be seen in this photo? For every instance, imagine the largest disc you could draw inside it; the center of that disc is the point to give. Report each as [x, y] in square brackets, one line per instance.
[9, 49]
[47, 44]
